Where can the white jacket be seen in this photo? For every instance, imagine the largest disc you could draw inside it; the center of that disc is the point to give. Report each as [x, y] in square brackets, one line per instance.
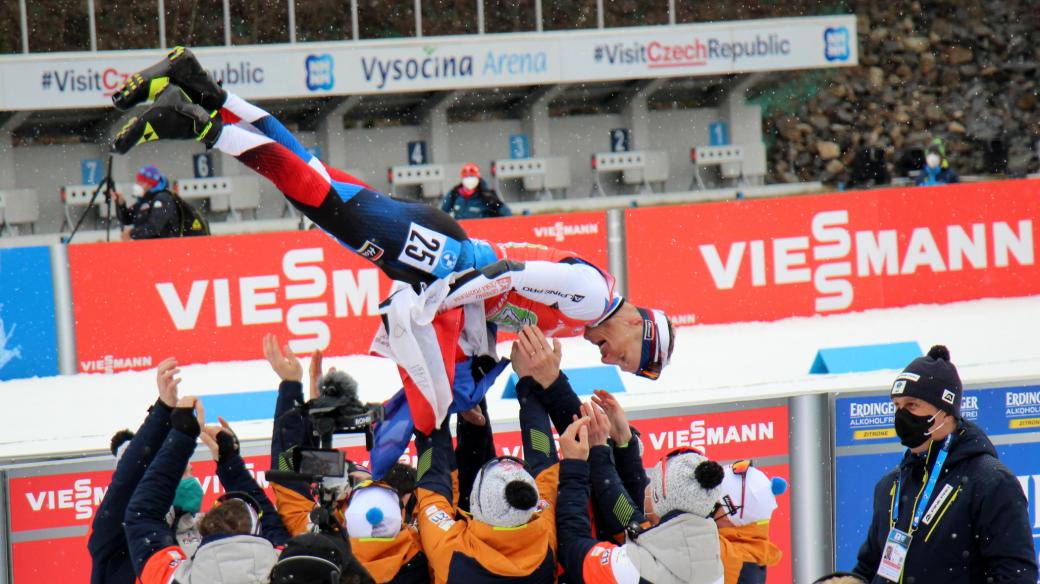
[681, 550]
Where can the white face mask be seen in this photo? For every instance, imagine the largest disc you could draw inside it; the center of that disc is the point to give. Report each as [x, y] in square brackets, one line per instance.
[470, 182]
[932, 160]
[138, 191]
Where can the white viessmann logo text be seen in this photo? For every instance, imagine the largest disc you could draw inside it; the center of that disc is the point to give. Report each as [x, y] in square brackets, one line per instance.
[845, 254]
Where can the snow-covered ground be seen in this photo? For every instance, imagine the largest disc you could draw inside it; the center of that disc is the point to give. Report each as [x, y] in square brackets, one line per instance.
[989, 340]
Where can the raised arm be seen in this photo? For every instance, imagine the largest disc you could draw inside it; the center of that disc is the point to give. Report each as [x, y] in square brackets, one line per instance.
[147, 533]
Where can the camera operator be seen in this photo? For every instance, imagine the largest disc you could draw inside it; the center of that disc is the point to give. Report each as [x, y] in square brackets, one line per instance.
[293, 429]
[371, 512]
[240, 531]
[157, 211]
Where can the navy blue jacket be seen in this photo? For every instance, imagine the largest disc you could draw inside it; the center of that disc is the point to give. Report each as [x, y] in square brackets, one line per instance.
[979, 531]
[109, 554]
[145, 519]
[483, 203]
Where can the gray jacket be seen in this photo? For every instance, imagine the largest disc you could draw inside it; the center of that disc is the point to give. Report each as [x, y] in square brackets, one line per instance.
[683, 549]
[238, 559]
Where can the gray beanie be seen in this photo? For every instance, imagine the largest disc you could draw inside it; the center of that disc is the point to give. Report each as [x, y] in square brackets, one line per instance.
[504, 494]
[686, 482]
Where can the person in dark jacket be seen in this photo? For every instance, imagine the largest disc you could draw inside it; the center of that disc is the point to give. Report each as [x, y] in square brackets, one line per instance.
[239, 534]
[936, 169]
[109, 554]
[472, 198]
[951, 512]
[153, 213]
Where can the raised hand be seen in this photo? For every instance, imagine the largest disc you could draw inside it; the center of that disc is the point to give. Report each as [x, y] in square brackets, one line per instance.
[599, 426]
[315, 373]
[167, 381]
[620, 431]
[574, 442]
[286, 365]
[533, 356]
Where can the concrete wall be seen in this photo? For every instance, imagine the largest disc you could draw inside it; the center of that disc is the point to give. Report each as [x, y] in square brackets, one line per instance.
[369, 153]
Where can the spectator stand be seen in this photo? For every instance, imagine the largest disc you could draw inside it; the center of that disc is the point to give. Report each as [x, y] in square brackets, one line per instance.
[538, 175]
[430, 178]
[729, 159]
[75, 196]
[18, 207]
[227, 195]
[637, 167]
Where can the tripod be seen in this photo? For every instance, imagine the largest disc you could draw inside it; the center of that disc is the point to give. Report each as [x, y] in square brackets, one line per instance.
[108, 185]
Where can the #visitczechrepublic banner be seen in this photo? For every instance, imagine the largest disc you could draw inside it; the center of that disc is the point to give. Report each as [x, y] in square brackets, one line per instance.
[42, 81]
[207, 299]
[764, 260]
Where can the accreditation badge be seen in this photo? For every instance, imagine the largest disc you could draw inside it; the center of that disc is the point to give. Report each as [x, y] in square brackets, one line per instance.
[894, 555]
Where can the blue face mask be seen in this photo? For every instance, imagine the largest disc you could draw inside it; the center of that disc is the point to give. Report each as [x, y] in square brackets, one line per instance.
[189, 496]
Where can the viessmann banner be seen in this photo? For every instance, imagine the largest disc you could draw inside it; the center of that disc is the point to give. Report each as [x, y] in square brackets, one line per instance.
[213, 298]
[353, 68]
[800, 256]
[51, 508]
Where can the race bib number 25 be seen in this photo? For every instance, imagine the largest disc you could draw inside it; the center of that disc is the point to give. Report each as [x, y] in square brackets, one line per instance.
[429, 251]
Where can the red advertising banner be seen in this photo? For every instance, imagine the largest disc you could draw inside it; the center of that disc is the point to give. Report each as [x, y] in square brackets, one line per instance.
[213, 298]
[800, 256]
[69, 500]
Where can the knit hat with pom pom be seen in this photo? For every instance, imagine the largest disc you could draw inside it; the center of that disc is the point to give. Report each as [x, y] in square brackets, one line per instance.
[504, 493]
[374, 511]
[932, 379]
[686, 482]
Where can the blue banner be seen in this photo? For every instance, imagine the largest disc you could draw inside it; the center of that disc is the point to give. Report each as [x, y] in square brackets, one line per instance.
[28, 333]
[867, 420]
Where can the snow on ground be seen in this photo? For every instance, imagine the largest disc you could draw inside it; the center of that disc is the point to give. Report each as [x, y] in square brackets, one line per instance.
[989, 340]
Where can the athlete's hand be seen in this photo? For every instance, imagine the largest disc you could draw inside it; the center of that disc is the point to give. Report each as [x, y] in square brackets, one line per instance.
[533, 356]
[167, 381]
[286, 365]
[620, 431]
[574, 442]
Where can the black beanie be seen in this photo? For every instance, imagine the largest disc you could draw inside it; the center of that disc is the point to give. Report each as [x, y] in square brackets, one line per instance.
[932, 379]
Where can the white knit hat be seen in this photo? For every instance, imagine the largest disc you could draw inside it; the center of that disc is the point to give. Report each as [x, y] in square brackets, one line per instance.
[686, 482]
[374, 511]
[504, 493]
[752, 493]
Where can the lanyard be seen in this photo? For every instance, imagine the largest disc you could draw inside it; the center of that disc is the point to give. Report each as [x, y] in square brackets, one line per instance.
[933, 478]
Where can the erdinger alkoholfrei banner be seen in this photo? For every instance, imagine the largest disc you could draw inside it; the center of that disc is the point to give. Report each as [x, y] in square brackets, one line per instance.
[769, 259]
[206, 299]
[866, 447]
[51, 507]
[66, 80]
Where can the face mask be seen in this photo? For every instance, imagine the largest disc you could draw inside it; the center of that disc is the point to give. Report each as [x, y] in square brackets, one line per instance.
[932, 160]
[138, 191]
[189, 495]
[470, 182]
[912, 430]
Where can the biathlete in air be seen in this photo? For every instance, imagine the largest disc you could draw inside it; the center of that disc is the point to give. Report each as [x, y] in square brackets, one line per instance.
[519, 284]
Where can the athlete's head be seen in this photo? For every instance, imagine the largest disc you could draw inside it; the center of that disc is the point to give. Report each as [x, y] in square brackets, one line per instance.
[638, 340]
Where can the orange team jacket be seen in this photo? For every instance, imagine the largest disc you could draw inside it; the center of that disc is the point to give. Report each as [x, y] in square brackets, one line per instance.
[464, 549]
[748, 543]
[295, 509]
[383, 557]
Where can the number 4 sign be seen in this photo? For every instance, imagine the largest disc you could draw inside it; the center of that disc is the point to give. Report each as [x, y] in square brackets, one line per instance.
[417, 153]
